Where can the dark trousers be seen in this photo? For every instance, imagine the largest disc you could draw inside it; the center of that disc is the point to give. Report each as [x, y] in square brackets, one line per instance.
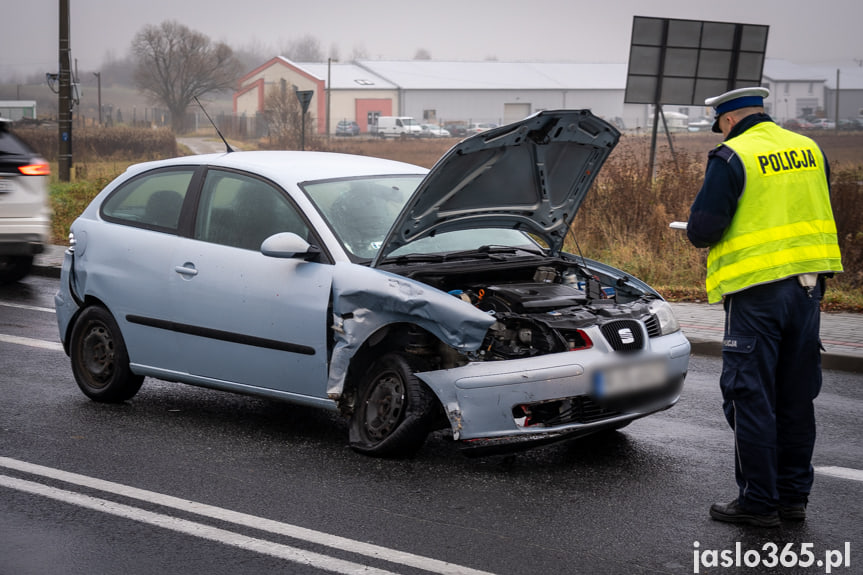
[771, 373]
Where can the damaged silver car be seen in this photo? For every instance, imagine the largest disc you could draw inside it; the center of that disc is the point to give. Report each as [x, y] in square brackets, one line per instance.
[410, 300]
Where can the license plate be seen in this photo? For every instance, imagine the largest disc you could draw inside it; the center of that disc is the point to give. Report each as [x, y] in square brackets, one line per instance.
[629, 378]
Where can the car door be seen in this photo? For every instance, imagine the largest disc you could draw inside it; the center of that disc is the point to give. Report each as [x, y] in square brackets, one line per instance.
[126, 261]
[245, 319]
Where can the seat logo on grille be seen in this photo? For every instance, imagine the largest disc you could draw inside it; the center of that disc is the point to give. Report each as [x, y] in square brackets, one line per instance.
[626, 335]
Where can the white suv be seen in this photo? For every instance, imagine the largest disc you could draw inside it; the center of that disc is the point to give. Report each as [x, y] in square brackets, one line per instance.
[25, 213]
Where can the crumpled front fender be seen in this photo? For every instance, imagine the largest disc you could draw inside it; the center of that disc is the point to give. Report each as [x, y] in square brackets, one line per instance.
[366, 299]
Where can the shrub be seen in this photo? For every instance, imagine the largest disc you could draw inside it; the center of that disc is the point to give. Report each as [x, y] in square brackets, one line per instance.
[97, 144]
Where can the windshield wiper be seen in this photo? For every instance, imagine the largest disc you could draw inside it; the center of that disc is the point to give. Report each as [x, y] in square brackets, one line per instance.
[488, 251]
[413, 258]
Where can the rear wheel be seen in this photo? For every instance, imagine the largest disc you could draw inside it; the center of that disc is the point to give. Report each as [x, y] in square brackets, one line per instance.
[100, 362]
[14, 268]
[395, 411]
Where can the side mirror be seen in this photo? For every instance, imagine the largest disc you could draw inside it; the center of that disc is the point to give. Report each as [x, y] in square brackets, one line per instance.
[288, 245]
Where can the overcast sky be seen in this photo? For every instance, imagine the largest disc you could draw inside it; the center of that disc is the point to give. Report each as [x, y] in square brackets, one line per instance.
[802, 31]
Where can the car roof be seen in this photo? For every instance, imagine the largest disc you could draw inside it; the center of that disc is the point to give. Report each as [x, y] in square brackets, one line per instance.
[291, 167]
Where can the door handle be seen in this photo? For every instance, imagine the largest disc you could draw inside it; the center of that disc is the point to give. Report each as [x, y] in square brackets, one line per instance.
[187, 270]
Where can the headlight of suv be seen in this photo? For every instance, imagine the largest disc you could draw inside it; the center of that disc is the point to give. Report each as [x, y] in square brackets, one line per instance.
[667, 322]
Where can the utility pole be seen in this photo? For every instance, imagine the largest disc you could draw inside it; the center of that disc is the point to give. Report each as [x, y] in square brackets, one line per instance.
[99, 95]
[329, 68]
[836, 110]
[64, 156]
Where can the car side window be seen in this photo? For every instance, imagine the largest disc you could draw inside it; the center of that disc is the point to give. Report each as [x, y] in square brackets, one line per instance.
[242, 211]
[152, 200]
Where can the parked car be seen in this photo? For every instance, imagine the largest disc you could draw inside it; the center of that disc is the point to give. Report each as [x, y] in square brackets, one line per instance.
[433, 131]
[406, 299]
[798, 124]
[823, 124]
[457, 129]
[25, 214]
[851, 124]
[476, 128]
[347, 128]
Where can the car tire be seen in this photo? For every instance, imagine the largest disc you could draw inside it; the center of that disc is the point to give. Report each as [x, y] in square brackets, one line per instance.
[395, 410]
[14, 268]
[100, 361]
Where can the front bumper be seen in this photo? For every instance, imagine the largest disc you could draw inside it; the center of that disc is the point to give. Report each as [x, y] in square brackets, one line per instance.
[489, 403]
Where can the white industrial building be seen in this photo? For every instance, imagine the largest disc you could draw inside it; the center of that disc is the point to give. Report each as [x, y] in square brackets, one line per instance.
[501, 92]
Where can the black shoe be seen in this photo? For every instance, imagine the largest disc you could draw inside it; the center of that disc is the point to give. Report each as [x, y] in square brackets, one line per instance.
[733, 513]
[792, 512]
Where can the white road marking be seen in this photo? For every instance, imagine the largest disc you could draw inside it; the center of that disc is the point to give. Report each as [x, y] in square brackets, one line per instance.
[194, 529]
[259, 523]
[40, 343]
[30, 307]
[841, 472]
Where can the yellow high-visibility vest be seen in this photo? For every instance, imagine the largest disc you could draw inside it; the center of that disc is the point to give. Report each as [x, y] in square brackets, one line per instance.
[783, 225]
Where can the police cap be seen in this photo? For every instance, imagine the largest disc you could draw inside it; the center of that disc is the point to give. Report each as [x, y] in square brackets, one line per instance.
[734, 100]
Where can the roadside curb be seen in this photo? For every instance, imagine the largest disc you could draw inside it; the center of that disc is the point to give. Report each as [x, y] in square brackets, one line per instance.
[829, 359]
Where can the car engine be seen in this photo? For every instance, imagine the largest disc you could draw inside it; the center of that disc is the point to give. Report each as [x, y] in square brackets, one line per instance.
[545, 309]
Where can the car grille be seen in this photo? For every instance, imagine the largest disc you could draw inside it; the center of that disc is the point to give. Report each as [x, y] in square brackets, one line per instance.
[651, 322]
[578, 409]
[623, 335]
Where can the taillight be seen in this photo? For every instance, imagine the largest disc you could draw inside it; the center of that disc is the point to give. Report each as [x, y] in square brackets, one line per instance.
[42, 169]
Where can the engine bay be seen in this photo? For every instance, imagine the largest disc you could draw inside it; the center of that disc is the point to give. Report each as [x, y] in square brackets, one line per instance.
[542, 308]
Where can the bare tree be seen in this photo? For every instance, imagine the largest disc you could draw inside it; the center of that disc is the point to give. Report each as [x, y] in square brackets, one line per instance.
[359, 53]
[285, 118]
[305, 49]
[175, 65]
[422, 54]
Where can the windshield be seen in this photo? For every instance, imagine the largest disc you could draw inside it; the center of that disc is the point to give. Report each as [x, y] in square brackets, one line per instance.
[361, 211]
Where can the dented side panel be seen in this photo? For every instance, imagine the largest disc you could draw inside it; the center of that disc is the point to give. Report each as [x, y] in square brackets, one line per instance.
[365, 300]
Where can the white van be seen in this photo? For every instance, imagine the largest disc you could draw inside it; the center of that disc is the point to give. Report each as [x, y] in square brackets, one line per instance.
[398, 127]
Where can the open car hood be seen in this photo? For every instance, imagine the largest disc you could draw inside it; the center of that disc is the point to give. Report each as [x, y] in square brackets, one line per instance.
[531, 175]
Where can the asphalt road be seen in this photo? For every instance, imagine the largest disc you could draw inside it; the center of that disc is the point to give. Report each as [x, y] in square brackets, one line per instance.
[192, 481]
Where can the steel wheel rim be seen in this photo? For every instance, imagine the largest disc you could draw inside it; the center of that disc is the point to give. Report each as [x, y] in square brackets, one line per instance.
[97, 355]
[384, 406]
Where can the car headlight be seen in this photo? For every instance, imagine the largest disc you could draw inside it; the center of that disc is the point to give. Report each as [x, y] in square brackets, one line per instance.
[667, 322]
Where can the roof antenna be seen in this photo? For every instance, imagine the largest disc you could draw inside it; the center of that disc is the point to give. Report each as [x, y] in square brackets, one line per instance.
[227, 145]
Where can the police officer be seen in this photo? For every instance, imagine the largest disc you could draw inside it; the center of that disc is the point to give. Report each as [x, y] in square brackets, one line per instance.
[764, 212]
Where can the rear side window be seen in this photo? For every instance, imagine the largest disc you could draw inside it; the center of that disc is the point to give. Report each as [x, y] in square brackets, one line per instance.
[152, 200]
[11, 145]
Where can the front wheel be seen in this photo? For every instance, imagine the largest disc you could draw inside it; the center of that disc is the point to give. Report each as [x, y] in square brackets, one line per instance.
[395, 410]
[100, 362]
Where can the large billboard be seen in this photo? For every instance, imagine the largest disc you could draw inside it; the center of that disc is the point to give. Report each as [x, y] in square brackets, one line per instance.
[682, 62]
